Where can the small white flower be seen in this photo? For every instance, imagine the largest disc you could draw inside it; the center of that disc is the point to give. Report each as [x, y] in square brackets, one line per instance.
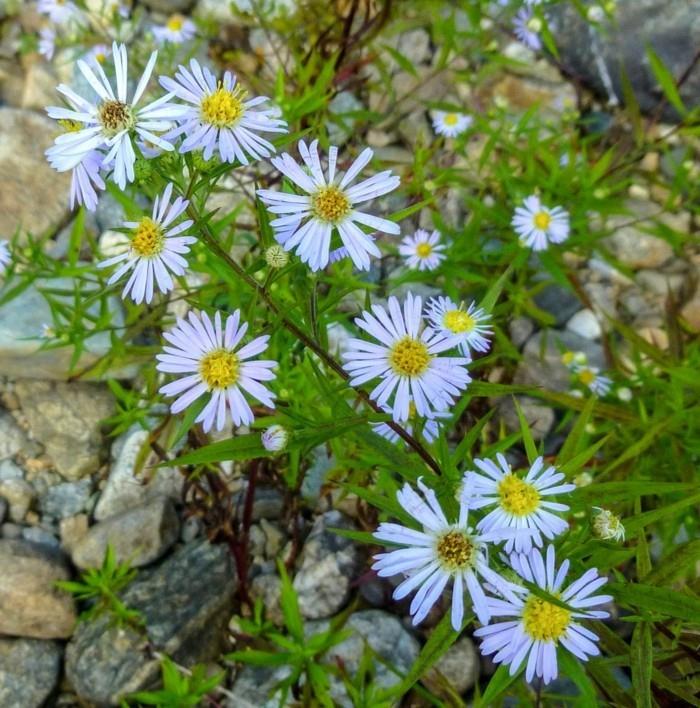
[211, 362]
[607, 525]
[451, 124]
[429, 428]
[59, 11]
[595, 13]
[520, 502]
[539, 627]
[47, 43]
[177, 29]
[85, 177]
[306, 222]
[110, 123]
[440, 553]
[583, 479]
[220, 117]
[527, 29]
[423, 250]
[572, 359]
[98, 54]
[155, 251]
[465, 328]
[275, 438]
[47, 331]
[590, 377]
[406, 359]
[624, 394]
[538, 225]
[5, 256]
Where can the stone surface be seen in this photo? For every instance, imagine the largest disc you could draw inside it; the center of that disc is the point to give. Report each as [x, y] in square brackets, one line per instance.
[559, 302]
[29, 671]
[329, 563]
[30, 604]
[671, 28]
[67, 499]
[12, 437]
[585, 324]
[186, 603]
[141, 535]
[65, 418]
[458, 667]
[132, 480]
[255, 687]
[26, 177]
[19, 495]
[539, 416]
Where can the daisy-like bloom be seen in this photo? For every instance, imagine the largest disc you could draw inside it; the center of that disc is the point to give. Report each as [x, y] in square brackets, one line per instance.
[538, 627]
[451, 124]
[305, 223]
[155, 251]
[219, 116]
[520, 502]
[177, 29]
[466, 328]
[440, 553]
[47, 43]
[429, 427]
[590, 377]
[99, 53]
[607, 526]
[538, 225]
[111, 123]
[59, 11]
[209, 357]
[85, 179]
[527, 29]
[406, 359]
[5, 256]
[423, 250]
[275, 438]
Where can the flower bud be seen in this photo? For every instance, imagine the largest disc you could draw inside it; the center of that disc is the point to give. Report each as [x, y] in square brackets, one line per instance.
[607, 526]
[275, 438]
[276, 257]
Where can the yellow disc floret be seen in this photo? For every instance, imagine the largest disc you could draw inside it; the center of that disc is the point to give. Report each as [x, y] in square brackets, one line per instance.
[517, 496]
[409, 357]
[147, 238]
[330, 204]
[175, 23]
[542, 220]
[423, 250]
[70, 126]
[458, 321]
[451, 119]
[543, 620]
[220, 369]
[223, 108]
[586, 377]
[115, 116]
[455, 550]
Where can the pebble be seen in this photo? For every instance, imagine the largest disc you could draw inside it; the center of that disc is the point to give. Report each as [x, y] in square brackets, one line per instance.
[585, 324]
[12, 437]
[29, 671]
[71, 530]
[19, 494]
[67, 499]
[459, 666]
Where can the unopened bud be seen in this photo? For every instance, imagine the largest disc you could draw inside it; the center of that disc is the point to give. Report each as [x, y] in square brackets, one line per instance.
[276, 257]
[274, 438]
[607, 526]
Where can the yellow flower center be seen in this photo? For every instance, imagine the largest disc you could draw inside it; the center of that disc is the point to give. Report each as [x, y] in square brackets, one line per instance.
[542, 220]
[451, 119]
[535, 24]
[70, 126]
[175, 22]
[586, 377]
[409, 357]
[424, 250]
[115, 116]
[330, 204]
[455, 550]
[147, 239]
[220, 369]
[567, 358]
[516, 496]
[458, 321]
[544, 621]
[100, 57]
[223, 108]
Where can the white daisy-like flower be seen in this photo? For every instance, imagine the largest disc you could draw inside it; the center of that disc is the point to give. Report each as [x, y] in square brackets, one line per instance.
[209, 357]
[465, 327]
[538, 225]
[607, 525]
[177, 29]
[407, 360]
[590, 377]
[59, 11]
[451, 124]
[99, 53]
[423, 250]
[306, 222]
[156, 250]
[440, 553]
[47, 43]
[275, 438]
[85, 179]
[110, 123]
[5, 256]
[520, 502]
[539, 627]
[219, 116]
[527, 29]
[429, 428]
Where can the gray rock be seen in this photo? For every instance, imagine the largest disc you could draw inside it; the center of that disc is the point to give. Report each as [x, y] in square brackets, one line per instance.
[458, 667]
[129, 485]
[40, 536]
[19, 495]
[140, 535]
[186, 603]
[30, 604]
[12, 437]
[520, 329]
[28, 180]
[329, 563]
[67, 499]
[9, 470]
[559, 302]
[29, 671]
[11, 531]
[585, 324]
[539, 416]
[340, 127]
[268, 503]
[671, 28]
[256, 687]
[65, 418]
[3, 509]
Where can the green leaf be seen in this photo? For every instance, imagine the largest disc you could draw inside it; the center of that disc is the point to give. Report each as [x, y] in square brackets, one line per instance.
[498, 684]
[243, 447]
[530, 447]
[492, 294]
[574, 438]
[641, 664]
[639, 521]
[571, 667]
[666, 80]
[663, 601]
[675, 564]
[290, 605]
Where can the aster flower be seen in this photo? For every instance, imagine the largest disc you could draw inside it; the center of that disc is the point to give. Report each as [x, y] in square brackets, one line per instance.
[209, 357]
[607, 526]
[464, 327]
[219, 116]
[440, 553]
[85, 178]
[519, 503]
[5, 256]
[177, 29]
[306, 222]
[423, 250]
[590, 377]
[155, 251]
[527, 29]
[451, 124]
[275, 438]
[47, 43]
[99, 53]
[407, 360]
[58, 11]
[537, 627]
[111, 123]
[538, 225]
[429, 427]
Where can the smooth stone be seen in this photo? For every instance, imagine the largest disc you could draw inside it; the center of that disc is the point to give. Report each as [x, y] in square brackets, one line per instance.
[520, 329]
[40, 536]
[539, 416]
[559, 302]
[67, 499]
[12, 438]
[29, 671]
[256, 687]
[30, 603]
[458, 666]
[585, 324]
[19, 494]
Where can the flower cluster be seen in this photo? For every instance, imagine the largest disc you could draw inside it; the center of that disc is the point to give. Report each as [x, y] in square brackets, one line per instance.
[583, 374]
